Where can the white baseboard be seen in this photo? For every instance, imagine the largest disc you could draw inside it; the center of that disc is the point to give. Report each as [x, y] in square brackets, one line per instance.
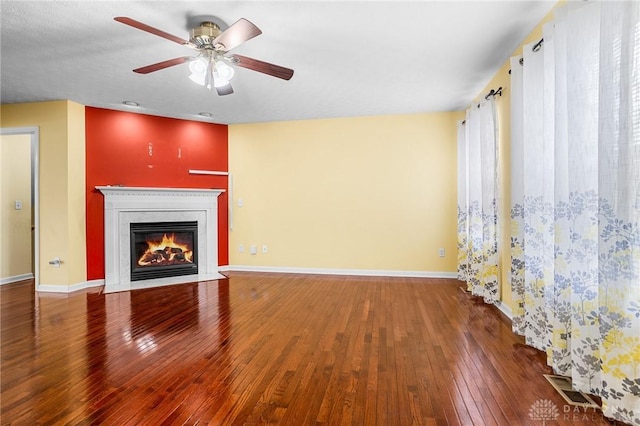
[327, 271]
[48, 288]
[16, 278]
[505, 310]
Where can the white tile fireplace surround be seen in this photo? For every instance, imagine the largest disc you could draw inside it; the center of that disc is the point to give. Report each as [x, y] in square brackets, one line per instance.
[126, 205]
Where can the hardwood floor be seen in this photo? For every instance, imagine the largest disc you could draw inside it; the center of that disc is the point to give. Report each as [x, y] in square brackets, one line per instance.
[270, 348]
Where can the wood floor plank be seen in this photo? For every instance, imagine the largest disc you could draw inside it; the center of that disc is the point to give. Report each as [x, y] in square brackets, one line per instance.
[258, 348]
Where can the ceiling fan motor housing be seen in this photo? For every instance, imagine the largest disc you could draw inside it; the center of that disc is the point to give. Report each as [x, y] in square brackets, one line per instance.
[203, 36]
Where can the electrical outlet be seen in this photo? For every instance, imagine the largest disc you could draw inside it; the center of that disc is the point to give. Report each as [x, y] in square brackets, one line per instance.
[241, 248]
[265, 249]
[253, 249]
[18, 205]
[441, 252]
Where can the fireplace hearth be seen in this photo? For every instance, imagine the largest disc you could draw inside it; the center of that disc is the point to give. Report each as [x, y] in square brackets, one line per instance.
[163, 249]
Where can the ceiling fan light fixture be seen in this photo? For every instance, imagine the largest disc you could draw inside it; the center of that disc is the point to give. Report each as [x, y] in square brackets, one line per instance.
[203, 72]
[197, 78]
[198, 66]
[223, 71]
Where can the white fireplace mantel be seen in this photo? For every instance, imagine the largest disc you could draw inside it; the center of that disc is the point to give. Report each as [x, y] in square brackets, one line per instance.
[125, 205]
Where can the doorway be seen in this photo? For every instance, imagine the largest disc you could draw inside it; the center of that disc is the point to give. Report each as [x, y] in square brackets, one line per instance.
[20, 213]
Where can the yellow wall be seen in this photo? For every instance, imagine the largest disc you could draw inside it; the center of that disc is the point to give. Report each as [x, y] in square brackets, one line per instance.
[76, 194]
[368, 193]
[503, 103]
[62, 205]
[15, 225]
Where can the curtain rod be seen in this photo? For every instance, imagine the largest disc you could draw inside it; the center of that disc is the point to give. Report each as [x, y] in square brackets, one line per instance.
[492, 92]
[534, 48]
[496, 92]
[520, 61]
[538, 45]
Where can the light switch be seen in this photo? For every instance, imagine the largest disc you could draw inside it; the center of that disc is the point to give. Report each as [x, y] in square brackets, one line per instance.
[18, 205]
[240, 202]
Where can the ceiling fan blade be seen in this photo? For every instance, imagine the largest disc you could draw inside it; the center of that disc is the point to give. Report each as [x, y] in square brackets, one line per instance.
[161, 65]
[224, 90]
[149, 29]
[239, 32]
[263, 67]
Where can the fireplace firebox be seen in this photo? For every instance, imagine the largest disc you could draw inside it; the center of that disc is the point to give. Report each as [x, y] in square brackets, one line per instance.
[163, 249]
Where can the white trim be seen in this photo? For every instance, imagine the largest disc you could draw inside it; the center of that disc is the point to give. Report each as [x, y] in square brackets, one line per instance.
[327, 271]
[208, 172]
[230, 202]
[48, 288]
[504, 309]
[34, 131]
[16, 278]
[127, 190]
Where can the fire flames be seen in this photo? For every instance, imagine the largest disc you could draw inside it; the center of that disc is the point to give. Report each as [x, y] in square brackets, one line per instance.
[166, 252]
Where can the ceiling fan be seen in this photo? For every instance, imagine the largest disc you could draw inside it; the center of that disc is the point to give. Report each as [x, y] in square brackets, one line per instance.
[210, 67]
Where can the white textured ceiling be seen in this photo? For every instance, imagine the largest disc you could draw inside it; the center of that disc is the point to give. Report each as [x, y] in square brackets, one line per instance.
[350, 58]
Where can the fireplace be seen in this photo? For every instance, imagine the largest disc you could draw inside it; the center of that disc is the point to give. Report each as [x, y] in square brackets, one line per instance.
[124, 206]
[163, 249]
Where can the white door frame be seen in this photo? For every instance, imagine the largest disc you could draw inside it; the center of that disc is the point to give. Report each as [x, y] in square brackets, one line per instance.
[34, 133]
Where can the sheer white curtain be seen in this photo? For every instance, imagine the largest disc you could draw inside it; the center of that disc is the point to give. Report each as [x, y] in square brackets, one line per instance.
[576, 200]
[463, 204]
[477, 201]
[619, 209]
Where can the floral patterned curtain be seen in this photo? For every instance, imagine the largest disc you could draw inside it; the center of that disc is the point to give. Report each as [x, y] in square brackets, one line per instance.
[477, 205]
[575, 269]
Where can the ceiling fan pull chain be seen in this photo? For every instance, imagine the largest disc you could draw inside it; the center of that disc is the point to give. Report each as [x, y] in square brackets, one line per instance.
[208, 77]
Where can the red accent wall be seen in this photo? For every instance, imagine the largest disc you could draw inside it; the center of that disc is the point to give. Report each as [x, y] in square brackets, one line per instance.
[129, 149]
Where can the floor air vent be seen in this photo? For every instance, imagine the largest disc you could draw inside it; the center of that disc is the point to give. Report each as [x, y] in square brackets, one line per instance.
[563, 385]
